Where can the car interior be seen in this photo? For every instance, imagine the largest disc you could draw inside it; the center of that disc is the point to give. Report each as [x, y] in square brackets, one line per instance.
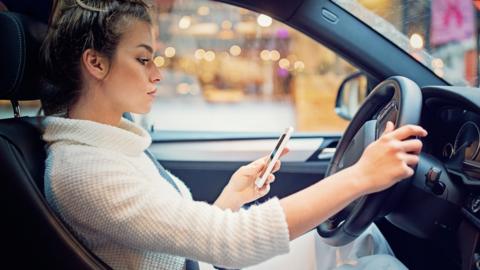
[432, 221]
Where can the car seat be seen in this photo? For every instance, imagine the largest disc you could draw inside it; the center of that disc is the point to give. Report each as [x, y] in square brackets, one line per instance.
[33, 237]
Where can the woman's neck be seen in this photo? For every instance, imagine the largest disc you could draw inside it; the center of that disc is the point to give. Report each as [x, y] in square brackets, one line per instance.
[95, 109]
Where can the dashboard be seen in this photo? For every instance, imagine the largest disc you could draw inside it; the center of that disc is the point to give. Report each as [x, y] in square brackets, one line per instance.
[452, 118]
[456, 140]
[443, 198]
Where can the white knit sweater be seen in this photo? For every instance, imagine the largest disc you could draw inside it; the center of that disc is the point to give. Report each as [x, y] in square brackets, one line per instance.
[100, 182]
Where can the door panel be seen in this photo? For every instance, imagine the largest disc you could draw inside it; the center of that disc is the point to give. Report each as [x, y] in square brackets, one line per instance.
[206, 165]
[234, 150]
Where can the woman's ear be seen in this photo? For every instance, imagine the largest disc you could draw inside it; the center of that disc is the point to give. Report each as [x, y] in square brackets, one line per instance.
[95, 64]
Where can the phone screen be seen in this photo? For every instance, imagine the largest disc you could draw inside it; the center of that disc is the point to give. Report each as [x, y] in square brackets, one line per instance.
[278, 146]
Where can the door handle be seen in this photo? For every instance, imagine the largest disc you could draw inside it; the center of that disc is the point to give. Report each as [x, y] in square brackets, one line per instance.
[326, 153]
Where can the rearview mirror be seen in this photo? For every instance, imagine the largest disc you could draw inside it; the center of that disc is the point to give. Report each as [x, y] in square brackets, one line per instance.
[351, 94]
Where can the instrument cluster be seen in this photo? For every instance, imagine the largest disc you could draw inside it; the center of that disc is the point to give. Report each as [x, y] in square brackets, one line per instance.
[458, 133]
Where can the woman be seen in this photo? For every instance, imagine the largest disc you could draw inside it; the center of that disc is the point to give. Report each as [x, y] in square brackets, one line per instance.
[98, 65]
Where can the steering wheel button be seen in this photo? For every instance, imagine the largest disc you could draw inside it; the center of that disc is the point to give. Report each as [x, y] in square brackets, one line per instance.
[475, 204]
[433, 175]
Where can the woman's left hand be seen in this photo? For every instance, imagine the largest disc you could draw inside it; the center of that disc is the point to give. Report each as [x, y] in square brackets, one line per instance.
[241, 188]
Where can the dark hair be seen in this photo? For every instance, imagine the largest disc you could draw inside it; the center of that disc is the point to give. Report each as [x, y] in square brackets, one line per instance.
[75, 26]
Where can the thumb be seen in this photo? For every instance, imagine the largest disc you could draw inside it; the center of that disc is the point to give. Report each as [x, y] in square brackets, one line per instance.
[388, 128]
[259, 164]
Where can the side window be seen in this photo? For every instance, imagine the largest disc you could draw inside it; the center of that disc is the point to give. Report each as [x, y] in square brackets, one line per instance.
[229, 69]
[27, 108]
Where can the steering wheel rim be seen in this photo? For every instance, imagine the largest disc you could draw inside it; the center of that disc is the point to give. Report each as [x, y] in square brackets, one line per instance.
[350, 222]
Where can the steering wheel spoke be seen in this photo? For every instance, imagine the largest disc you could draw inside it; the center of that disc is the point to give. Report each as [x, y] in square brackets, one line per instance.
[364, 137]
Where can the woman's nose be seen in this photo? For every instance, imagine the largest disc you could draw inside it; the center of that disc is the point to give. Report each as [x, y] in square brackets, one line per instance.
[156, 74]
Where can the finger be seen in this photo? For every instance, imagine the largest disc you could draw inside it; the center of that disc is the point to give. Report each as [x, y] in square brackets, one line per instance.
[277, 166]
[270, 179]
[260, 161]
[407, 131]
[250, 170]
[285, 151]
[260, 167]
[412, 146]
[408, 171]
[257, 165]
[411, 160]
[264, 190]
[388, 128]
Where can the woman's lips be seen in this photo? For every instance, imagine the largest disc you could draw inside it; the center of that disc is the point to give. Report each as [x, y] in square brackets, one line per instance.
[152, 93]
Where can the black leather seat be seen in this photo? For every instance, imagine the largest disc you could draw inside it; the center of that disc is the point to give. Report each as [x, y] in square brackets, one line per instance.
[31, 230]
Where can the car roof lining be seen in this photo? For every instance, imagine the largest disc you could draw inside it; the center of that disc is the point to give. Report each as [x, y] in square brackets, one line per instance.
[280, 11]
[305, 15]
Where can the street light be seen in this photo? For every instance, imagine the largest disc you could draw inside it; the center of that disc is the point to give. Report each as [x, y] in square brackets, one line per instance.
[264, 20]
[416, 41]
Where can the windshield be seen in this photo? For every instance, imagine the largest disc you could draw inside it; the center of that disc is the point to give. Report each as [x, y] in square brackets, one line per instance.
[441, 34]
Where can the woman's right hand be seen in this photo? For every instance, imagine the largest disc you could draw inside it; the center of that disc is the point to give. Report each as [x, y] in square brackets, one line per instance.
[390, 158]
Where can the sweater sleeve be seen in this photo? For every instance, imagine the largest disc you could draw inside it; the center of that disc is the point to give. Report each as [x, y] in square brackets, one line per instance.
[108, 196]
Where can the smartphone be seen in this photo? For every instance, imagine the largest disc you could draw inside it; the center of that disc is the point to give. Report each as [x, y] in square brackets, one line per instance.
[274, 156]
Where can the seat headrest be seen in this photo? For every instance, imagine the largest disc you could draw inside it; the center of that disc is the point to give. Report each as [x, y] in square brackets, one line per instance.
[20, 41]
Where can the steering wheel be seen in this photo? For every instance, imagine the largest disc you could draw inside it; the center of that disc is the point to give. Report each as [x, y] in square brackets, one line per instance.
[396, 99]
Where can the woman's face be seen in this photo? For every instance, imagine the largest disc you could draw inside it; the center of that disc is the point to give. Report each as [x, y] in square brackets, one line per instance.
[130, 85]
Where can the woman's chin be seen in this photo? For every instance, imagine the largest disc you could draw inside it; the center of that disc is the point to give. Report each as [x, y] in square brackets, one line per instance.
[143, 110]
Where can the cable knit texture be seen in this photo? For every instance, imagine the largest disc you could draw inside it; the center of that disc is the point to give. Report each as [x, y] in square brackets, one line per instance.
[101, 183]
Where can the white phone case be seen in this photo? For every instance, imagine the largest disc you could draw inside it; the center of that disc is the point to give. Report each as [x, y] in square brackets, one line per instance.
[281, 143]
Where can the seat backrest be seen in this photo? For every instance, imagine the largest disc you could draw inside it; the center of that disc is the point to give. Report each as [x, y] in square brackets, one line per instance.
[32, 231]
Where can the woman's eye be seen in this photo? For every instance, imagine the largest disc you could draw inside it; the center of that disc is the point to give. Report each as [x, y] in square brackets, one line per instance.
[143, 60]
